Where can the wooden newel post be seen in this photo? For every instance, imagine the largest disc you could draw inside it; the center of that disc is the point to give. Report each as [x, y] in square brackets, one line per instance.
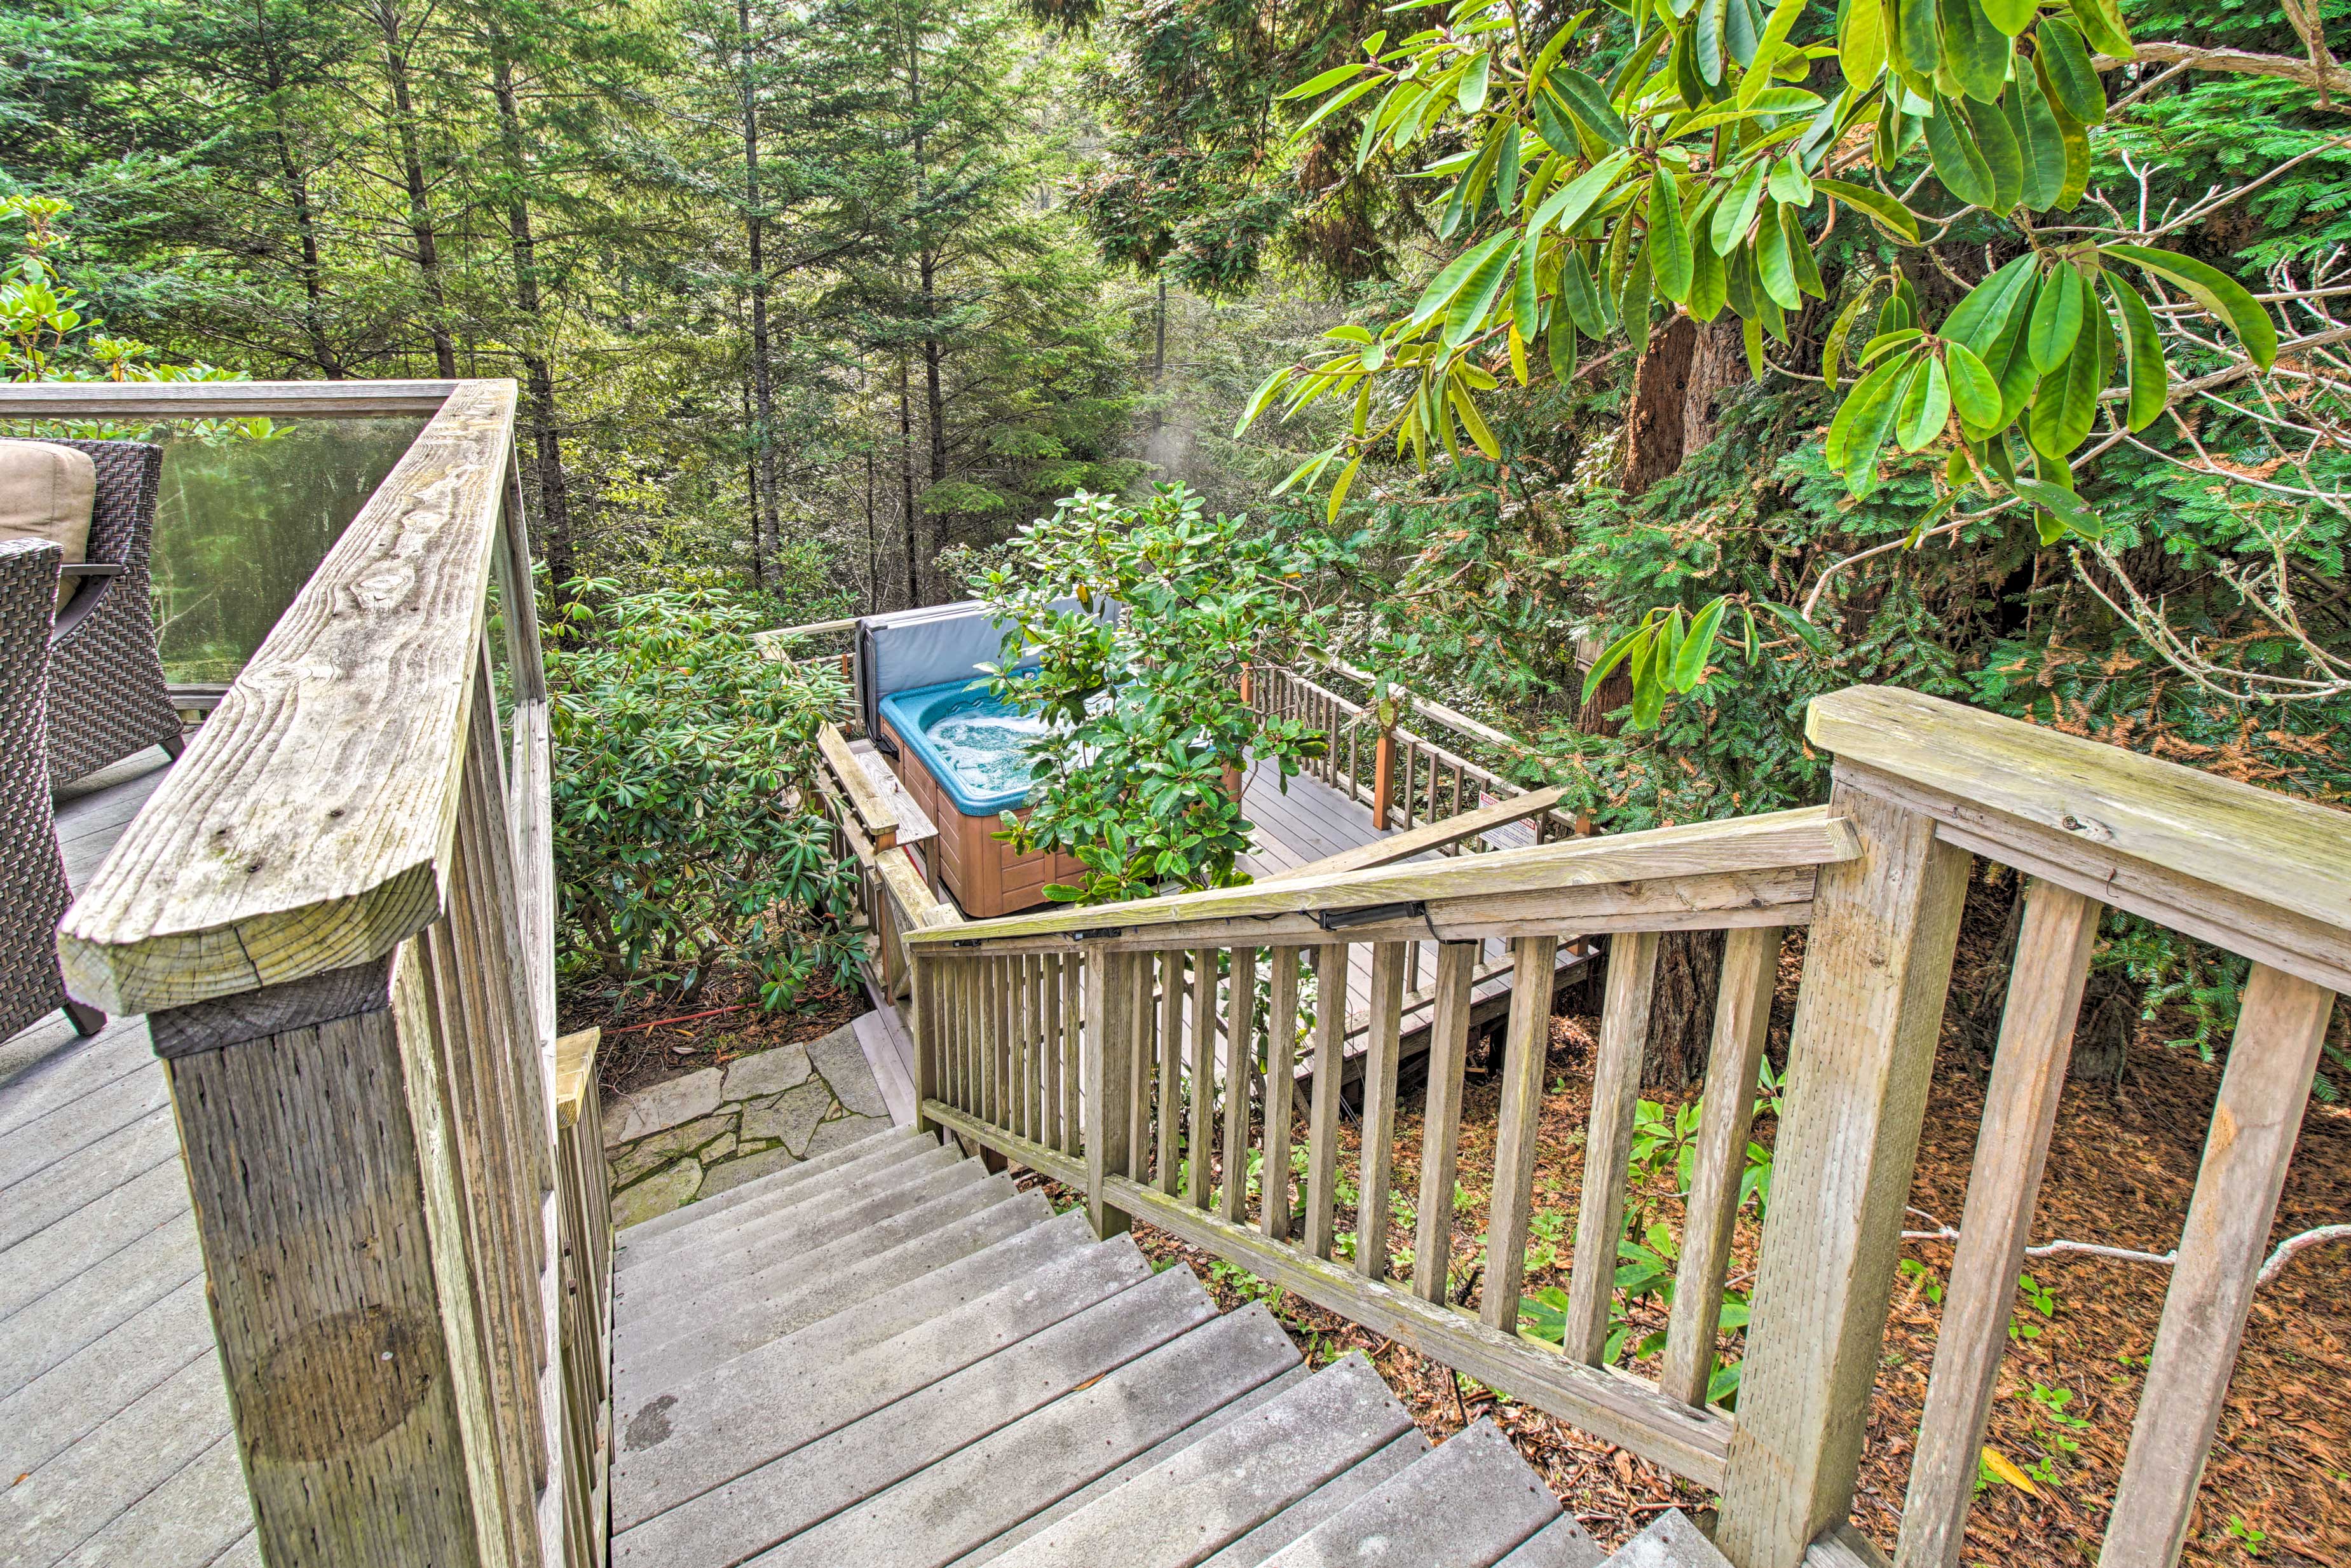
[1383, 778]
[1108, 1080]
[1877, 972]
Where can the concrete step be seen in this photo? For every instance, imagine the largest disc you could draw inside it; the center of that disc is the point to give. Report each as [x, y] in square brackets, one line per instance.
[1559, 1544]
[978, 1491]
[1467, 1505]
[1670, 1541]
[790, 1497]
[757, 1408]
[652, 1318]
[1231, 1482]
[640, 1235]
[759, 1234]
[665, 1235]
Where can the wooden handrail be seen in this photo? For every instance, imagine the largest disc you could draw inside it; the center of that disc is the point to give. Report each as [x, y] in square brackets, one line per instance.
[2259, 873]
[1808, 837]
[1411, 841]
[308, 827]
[875, 814]
[1435, 712]
[223, 400]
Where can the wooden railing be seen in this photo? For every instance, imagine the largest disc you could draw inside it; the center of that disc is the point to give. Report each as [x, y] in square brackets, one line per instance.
[1118, 1050]
[892, 896]
[584, 1239]
[338, 912]
[790, 646]
[1406, 779]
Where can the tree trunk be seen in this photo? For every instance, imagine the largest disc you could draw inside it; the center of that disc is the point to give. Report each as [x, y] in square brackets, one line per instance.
[1681, 1009]
[545, 463]
[907, 486]
[420, 229]
[766, 528]
[1653, 424]
[1717, 363]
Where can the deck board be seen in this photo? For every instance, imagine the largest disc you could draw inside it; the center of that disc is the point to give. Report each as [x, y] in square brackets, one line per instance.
[111, 1402]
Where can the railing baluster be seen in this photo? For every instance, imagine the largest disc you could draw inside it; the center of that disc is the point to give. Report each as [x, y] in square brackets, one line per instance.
[1240, 1064]
[1440, 1141]
[1171, 1065]
[1200, 1136]
[2028, 1075]
[1037, 1080]
[1137, 972]
[2273, 1058]
[1110, 1024]
[1382, 1046]
[1054, 1132]
[1525, 1041]
[1608, 1145]
[1322, 1109]
[1280, 1088]
[1742, 1021]
[1072, 1054]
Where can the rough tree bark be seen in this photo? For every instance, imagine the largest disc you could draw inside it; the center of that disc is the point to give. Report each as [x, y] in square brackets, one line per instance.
[423, 234]
[1684, 368]
[906, 486]
[765, 525]
[544, 463]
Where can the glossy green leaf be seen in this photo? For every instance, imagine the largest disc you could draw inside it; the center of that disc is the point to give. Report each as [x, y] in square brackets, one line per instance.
[1559, 342]
[1471, 93]
[2001, 154]
[1551, 125]
[2062, 53]
[1333, 106]
[1976, 51]
[1873, 388]
[1670, 261]
[2056, 318]
[1566, 206]
[1457, 274]
[1926, 407]
[2150, 377]
[2102, 27]
[1872, 426]
[1889, 213]
[1632, 303]
[1987, 309]
[1264, 394]
[1959, 162]
[2011, 17]
[1742, 29]
[2062, 505]
[1474, 423]
[1583, 295]
[1690, 659]
[1328, 79]
[2039, 138]
[1861, 42]
[1591, 104]
[1707, 41]
[1505, 169]
[1526, 309]
[1833, 349]
[1920, 38]
[1974, 392]
[2216, 291]
[1737, 209]
[1709, 284]
[1773, 267]
[1800, 260]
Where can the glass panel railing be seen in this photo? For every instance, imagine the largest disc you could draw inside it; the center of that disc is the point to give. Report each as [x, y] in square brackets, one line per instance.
[241, 524]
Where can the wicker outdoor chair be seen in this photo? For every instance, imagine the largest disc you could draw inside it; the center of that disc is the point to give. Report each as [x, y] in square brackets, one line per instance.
[107, 699]
[33, 891]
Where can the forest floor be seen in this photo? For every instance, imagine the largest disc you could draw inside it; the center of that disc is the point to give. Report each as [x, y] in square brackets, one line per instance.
[647, 1040]
[2121, 1168]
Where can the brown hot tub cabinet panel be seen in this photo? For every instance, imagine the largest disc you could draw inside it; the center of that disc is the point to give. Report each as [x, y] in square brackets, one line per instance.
[980, 871]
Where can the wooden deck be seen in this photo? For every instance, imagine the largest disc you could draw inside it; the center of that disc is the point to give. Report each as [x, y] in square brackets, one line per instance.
[114, 1423]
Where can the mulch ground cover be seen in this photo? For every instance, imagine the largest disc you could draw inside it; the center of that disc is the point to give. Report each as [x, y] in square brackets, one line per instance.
[2121, 1168]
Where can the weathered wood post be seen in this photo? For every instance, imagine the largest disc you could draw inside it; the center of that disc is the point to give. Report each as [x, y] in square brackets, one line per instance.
[335, 913]
[1885, 928]
[1382, 777]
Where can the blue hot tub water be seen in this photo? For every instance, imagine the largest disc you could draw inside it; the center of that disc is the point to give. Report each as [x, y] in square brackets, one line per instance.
[975, 747]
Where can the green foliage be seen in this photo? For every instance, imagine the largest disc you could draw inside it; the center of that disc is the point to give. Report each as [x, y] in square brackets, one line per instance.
[679, 750]
[1144, 712]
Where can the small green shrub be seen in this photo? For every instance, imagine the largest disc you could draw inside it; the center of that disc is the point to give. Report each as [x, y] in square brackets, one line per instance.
[684, 845]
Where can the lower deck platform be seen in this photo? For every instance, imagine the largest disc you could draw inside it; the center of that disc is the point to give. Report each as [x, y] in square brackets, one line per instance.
[114, 1420]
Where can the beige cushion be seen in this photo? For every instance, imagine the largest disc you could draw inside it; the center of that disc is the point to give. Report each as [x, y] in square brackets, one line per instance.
[47, 493]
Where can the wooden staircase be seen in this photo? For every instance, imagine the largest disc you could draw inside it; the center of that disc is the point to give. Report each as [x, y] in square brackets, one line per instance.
[888, 1358]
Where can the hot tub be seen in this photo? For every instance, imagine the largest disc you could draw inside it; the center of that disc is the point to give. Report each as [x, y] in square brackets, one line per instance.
[962, 755]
